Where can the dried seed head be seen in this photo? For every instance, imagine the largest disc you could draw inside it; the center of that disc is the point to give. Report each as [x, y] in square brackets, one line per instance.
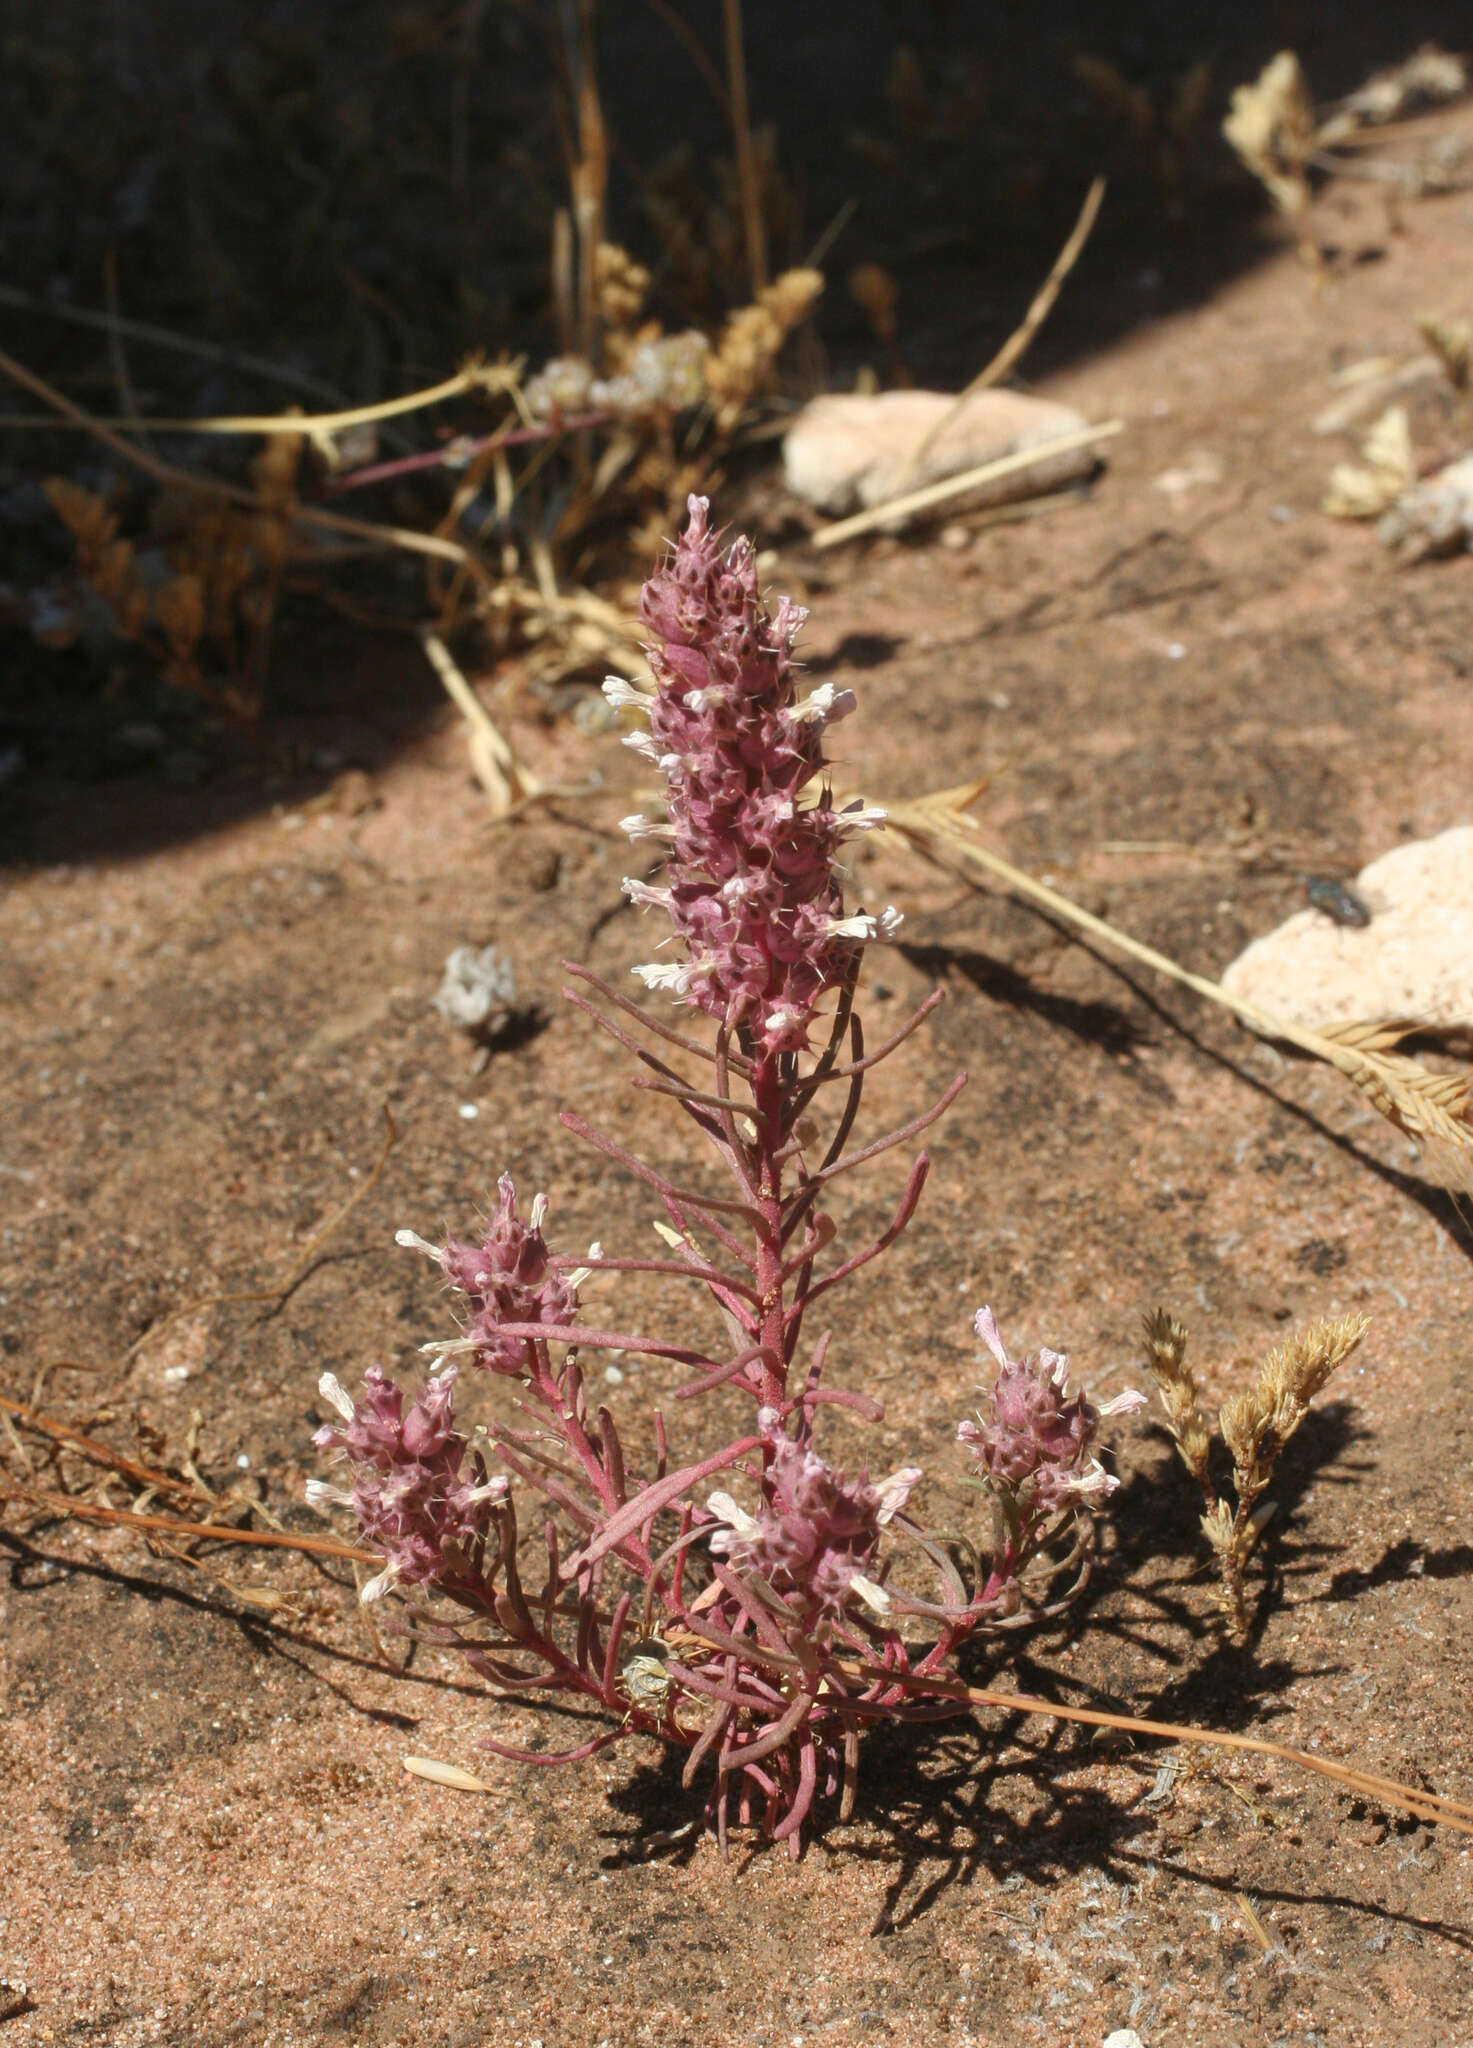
[1258, 1423]
[1166, 1354]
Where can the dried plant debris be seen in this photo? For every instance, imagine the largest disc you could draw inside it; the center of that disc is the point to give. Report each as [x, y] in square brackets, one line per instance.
[1365, 489]
[197, 590]
[1253, 1427]
[1451, 342]
[478, 993]
[1428, 78]
[1270, 123]
[1434, 517]
[614, 436]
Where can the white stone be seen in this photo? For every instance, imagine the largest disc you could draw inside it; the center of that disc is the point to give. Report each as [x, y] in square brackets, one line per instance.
[1414, 959]
[850, 449]
[478, 990]
[1124, 2037]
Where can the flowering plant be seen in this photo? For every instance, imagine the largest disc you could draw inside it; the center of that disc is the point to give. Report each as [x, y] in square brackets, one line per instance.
[760, 1637]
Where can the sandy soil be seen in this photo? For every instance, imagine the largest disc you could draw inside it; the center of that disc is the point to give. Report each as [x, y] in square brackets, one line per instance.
[210, 1835]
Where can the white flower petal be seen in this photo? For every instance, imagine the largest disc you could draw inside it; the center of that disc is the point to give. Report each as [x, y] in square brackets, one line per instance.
[873, 1596]
[623, 696]
[890, 921]
[412, 1241]
[332, 1392]
[985, 1324]
[376, 1588]
[896, 1490]
[320, 1495]
[725, 1509]
[674, 975]
[1124, 1404]
[860, 926]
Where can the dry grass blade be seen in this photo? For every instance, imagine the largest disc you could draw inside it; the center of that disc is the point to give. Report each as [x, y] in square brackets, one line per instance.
[445, 1774]
[1424, 1805]
[753, 229]
[495, 765]
[1021, 340]
[956, 486]
[1433, 1109]
[166, 338]
[402, 537]
[62, 1504]
[102, 1454]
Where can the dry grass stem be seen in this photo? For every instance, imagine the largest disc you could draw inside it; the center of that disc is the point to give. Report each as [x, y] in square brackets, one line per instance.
[167, 338]
[102, 1454]
[1424, 1805]
[1433, 1109]
[64, 1506]
[910, 502]
[1021, 340]
[753, 229]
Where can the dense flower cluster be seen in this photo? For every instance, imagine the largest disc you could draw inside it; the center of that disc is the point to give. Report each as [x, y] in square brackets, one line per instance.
[753, 887]
[818, 1531]
[506, 1278]
[1034, 1437]
[664, 374]
[411, 1493]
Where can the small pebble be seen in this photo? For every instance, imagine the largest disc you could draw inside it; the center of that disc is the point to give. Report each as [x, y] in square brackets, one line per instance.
[469, 1111]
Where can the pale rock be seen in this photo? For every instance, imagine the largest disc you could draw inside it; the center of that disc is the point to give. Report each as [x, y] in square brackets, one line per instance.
[1413, 960]
[850, 450]
[1124, 2037]
[478, 990]
[1434, 517]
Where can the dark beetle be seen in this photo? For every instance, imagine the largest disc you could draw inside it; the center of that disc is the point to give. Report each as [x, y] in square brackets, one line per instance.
[1336, 900]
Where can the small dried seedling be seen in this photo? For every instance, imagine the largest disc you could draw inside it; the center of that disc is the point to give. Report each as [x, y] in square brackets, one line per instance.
[1253, 1426]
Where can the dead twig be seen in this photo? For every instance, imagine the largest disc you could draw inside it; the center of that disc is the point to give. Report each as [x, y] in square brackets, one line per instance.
[956, 486]
[753, 229]
[166, 338]
[1021, 340]
[1436, 1109]
[102, 1454]
[64, 1505]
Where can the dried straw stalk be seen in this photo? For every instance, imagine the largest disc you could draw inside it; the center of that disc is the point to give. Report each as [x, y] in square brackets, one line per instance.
[1435, 1110]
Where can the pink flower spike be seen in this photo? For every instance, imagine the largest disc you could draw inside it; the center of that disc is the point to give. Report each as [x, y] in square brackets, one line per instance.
[754, 879]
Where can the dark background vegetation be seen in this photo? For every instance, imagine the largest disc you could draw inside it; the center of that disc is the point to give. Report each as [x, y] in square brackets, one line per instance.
[362, 191]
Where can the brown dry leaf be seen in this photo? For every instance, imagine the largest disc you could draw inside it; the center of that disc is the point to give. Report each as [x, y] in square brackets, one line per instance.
[1270, 123]
[84, 515]
[1363, 490]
